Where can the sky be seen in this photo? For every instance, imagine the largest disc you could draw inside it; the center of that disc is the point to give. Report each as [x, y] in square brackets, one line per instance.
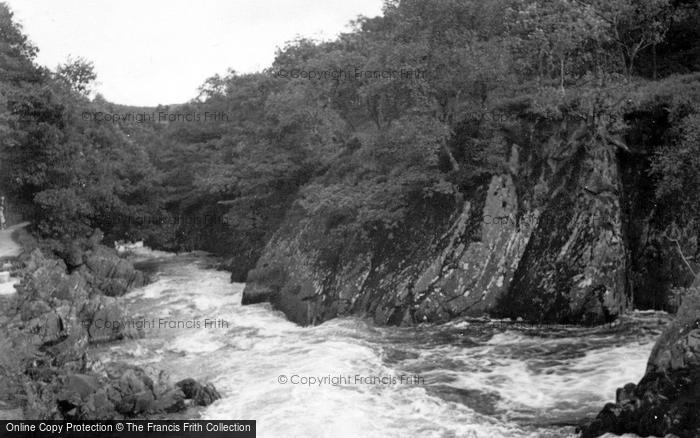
[149, 52]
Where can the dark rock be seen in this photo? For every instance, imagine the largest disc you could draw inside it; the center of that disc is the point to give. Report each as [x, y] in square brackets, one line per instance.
[99, 406]
[42, 277]
[129, 389]
[49, 328]
[48, 286]
[202, 395]
[108, 322]
[171, 401]
[132, 379]
[136, 403]
[121, 390]
[75, 391]
[95, 238]
[36, 259]
[257, 293]
[87, 397]
[34, 309]
[74, 288]
[188, 386]
[81, 384]
[73, 255]
[667, 399]
[112, 274]
[70, 352]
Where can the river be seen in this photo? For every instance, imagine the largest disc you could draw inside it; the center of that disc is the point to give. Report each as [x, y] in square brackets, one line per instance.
[464, 379]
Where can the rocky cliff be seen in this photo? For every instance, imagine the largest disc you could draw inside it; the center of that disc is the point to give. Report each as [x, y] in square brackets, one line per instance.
[552, 252]
[563, 233]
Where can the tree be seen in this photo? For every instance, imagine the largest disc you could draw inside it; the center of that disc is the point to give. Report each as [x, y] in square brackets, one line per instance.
[78, 73]
[16, 51]
[634, 24]
[214, 86]
[552, 31]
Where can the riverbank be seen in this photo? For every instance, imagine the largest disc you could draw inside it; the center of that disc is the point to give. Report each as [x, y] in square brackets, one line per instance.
[60, 309]
[666, 401]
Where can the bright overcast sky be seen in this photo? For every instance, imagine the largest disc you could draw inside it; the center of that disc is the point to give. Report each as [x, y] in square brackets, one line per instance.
[148, 52]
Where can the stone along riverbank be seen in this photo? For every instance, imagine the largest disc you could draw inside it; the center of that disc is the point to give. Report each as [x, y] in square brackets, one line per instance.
[47, 326]
[666, 401]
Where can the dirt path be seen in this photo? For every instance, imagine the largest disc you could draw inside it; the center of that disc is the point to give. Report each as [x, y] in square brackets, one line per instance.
[8, 247]
[9, 409]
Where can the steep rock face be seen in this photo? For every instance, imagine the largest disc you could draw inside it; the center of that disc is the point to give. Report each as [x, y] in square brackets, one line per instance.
[573, 269]
[312, 282]
[656, 264]
[551, 252]
[667, 399]
[468, 276]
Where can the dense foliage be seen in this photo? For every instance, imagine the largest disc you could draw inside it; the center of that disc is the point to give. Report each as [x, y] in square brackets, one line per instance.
[328, 128]
[68, 174]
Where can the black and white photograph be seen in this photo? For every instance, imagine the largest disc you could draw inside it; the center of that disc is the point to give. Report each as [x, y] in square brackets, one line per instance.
[340, 219]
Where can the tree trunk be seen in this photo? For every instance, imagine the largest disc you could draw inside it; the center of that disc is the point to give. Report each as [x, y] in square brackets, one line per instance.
[453, 161]
[596, 64]
[628, 68]
[632, 57]
[561, 75]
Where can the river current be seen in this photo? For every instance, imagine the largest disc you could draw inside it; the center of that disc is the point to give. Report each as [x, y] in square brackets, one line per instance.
[349, 378]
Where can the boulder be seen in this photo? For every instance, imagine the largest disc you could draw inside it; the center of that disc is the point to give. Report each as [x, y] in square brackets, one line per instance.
[47, 329]
[76, 389]
[99, 406]
[81, 385]
[42, 277]
[201, 394]
[134, 380]
[73, 255]
[257, 293]
[107, 320]
[70, 353]
[136, 403]
[113, 275]
[73, 288]
[171, 401]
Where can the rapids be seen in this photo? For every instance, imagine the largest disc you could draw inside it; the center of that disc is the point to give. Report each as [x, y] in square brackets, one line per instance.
[348, 378]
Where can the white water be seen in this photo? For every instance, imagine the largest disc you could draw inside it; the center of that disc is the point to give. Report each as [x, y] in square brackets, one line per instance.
[477, 381]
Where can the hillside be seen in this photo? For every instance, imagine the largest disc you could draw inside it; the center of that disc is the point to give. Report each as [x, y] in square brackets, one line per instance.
[444, 159]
